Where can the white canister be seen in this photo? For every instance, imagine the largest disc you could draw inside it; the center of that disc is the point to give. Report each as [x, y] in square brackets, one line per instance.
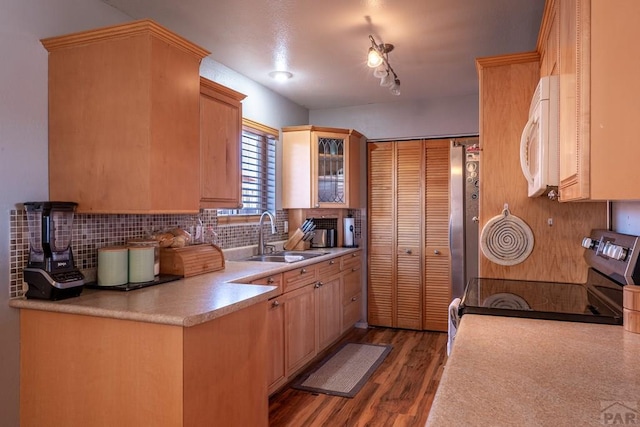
[349, 232]
[156, 250]
[113, 266]
[141, 264]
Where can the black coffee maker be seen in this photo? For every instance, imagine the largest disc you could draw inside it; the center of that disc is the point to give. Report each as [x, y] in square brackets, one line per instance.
[51, 273]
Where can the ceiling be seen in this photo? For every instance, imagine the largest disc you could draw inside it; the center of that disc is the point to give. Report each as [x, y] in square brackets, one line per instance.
[324, 42]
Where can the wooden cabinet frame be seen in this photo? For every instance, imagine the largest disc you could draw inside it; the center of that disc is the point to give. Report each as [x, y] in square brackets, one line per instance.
[300, 172]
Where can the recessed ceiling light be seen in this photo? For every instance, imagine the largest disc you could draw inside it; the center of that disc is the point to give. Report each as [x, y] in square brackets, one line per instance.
[280, 76]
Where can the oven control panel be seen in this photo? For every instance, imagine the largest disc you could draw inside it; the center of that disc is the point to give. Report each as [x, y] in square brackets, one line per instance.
[614, 254]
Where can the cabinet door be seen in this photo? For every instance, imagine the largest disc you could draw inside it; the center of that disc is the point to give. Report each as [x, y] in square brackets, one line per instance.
[329, 311]
[123, 138]
[275, 344]
[321, 167]
[549, 33]
[437, 271]
[220, 146]
[300, 327]
[351, 296]
[381, 264]
[410, 199]
[574, 101]
[330, 152]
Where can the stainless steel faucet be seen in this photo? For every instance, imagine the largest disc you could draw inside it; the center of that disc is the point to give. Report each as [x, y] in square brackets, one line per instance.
[261, 244]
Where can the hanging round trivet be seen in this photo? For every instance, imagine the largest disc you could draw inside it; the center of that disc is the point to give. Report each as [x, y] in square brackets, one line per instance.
[506, 239]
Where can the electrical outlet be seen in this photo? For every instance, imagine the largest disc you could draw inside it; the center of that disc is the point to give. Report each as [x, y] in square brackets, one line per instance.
[286, 226]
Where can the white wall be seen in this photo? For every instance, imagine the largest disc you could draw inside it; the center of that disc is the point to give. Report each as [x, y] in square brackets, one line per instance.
[453, 116]
[23, 140]
[626, 217]
[23, 134]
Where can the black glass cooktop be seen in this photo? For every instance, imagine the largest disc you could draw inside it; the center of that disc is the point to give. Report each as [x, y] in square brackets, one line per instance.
[598, 301]
[162, 278]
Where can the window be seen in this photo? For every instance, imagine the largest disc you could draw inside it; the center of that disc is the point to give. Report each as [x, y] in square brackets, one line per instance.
[258, 170]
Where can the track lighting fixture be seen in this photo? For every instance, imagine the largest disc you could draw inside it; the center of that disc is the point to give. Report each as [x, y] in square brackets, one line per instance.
[378, 59]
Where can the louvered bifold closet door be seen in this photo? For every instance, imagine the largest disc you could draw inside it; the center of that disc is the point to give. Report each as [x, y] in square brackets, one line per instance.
[437, 272]
[410, 199]
[381, 203]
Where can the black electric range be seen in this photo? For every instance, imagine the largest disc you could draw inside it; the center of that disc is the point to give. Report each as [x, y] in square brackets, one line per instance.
[613, 263]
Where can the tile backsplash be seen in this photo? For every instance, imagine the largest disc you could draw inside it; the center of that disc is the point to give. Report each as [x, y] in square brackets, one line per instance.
[92, 231]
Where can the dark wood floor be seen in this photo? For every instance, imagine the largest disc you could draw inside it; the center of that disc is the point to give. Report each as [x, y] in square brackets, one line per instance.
[399, 393]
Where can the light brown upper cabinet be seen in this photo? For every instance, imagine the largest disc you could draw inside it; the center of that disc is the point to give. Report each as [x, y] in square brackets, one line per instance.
[320, 167]
[599, 99]
[220, 146]
[124, 120]
[548, 40]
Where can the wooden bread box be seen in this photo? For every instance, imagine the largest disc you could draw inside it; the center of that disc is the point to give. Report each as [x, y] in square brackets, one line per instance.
[191, 260]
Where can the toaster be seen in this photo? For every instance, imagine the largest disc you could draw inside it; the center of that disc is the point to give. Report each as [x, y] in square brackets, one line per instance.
[324, 238]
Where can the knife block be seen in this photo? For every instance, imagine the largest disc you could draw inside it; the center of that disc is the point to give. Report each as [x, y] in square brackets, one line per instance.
[295, 242]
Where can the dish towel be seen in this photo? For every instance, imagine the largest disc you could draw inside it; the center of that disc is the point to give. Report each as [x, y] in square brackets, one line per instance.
[453, 323]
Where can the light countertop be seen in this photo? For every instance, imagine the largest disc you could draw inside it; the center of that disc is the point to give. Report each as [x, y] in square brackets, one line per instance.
[185, 302]
[506, 371]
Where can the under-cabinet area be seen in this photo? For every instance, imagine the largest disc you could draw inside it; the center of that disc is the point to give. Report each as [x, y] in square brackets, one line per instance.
[207, 347]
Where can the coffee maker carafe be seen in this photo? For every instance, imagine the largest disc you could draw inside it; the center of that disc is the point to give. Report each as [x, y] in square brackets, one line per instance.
[51, 273]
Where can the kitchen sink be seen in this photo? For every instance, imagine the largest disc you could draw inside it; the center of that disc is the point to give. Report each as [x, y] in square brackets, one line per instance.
[286, 256]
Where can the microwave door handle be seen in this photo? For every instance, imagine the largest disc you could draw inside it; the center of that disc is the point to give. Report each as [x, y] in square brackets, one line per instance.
[524, 148]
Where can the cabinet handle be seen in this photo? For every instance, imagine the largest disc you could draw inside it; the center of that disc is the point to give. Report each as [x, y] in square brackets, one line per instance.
[354, 254]
[436, 252]
[408, 251]
[304, 270]
[270, 280]
[332, 262]
[275, 303]
[353, 269]
[354, 299]
[317, 285]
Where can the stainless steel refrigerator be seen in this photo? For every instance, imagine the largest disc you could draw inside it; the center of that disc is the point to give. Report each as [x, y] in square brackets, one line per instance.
[463, 222]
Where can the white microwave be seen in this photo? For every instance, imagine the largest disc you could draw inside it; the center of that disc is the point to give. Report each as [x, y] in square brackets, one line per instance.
[539, 144]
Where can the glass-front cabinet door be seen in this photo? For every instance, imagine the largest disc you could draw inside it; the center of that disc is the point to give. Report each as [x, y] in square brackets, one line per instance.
[331, 166]
[321, 167]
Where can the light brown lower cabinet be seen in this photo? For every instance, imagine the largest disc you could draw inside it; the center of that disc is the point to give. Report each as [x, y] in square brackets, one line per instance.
[82, 370]
[351, 290]
[299, 327]
[320, 302]
[275, 334]
[328, 311]
[275, 343]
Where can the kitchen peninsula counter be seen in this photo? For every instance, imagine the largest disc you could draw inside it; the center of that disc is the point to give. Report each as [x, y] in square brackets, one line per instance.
[186, 302]
[527, 372]
[187, 353]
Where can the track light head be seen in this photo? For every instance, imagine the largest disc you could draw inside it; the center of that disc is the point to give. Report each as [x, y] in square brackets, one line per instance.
[378, 58]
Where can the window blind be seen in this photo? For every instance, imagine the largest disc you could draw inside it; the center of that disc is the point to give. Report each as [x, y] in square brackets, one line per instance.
[258, 174]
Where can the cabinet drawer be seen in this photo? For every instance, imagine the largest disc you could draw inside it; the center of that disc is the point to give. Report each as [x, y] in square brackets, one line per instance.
[351, 312]
[328, 268]
[294, 279]
[272, 280]
[349, 260]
